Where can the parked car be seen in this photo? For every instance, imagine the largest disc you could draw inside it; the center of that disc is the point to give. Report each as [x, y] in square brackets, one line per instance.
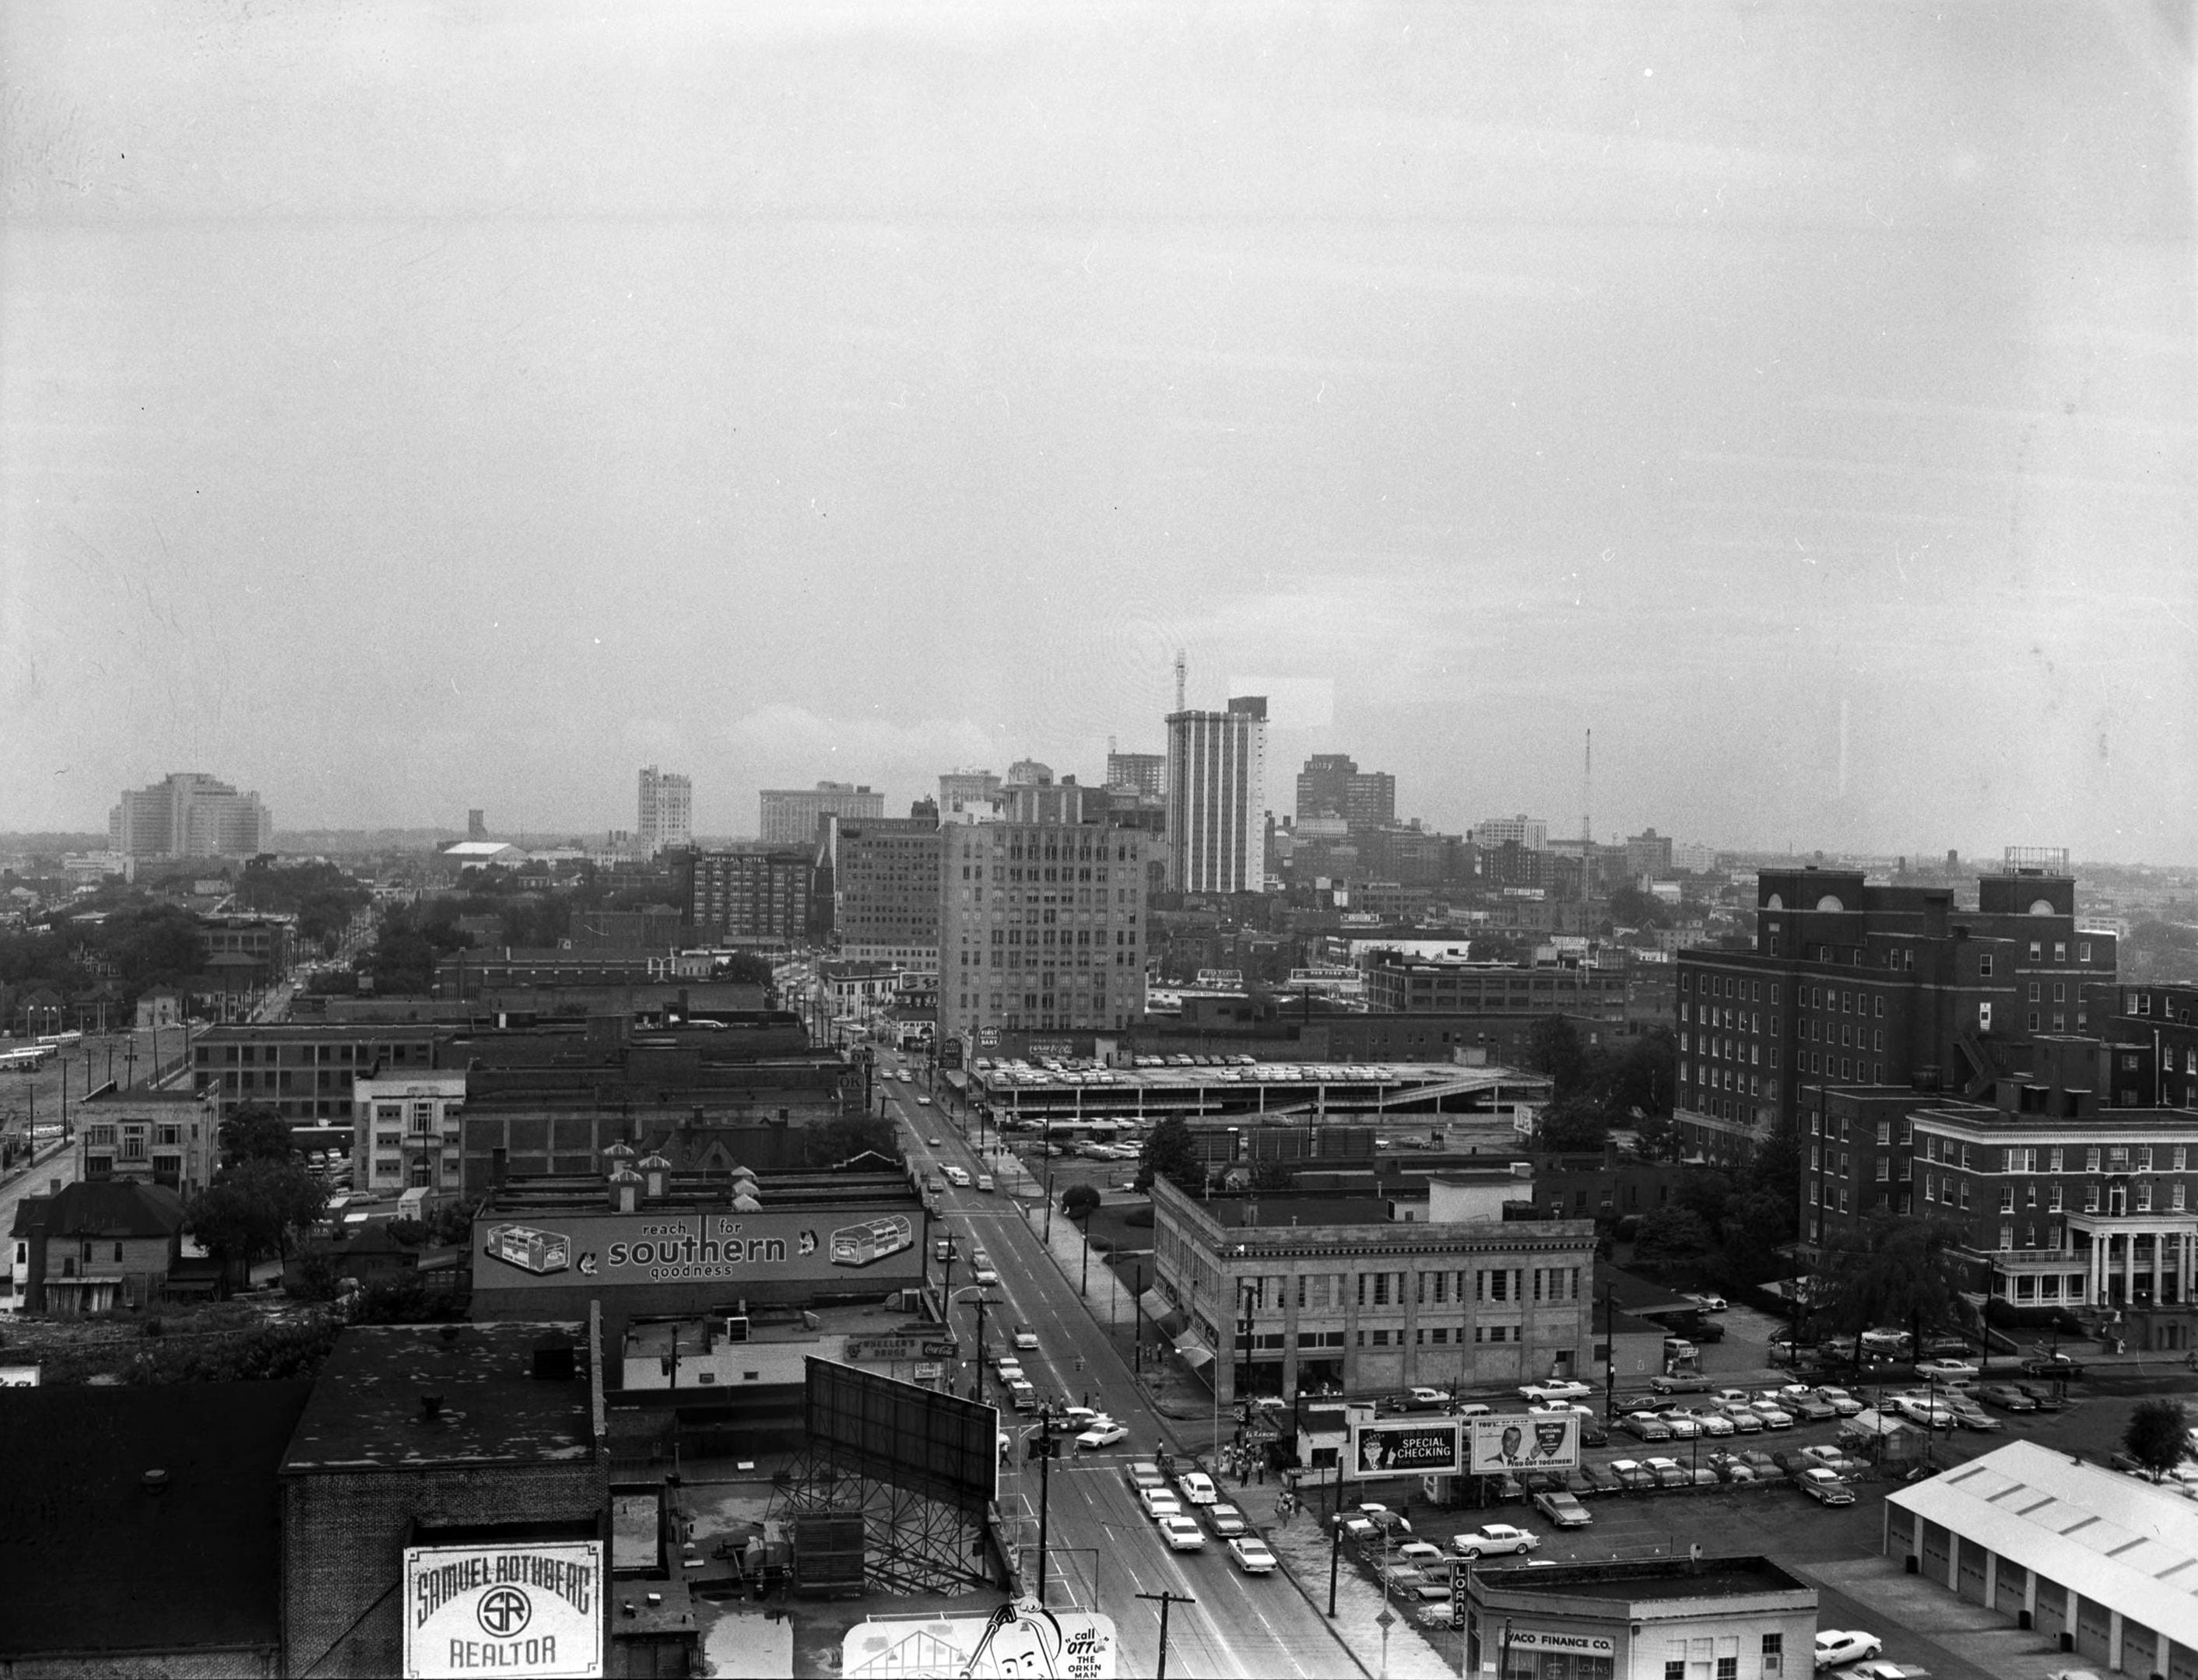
[1836, 1647]
[1923, 1410]
[1766, 1467]
[1594, 1478]
[1197, 1488]
[2053, 1367]
[1562, 1510]
[1668, 1472]
[2007, 1397]
[1556, 1388]
[1825, 1488]
[1250, 1554]
[1746, 1420]
[1844, 1404]
[1811, 1407]
[1646, 1426]
[1945, 1370]
[1729, 1467]
[1226, 1521]
[1142, 1475]
[1683, 1425]
[2045, 1395]
[1497, 1539]
[1423, 1554]
[1680, 1383]
[1968, 1415]
[1427, 1398]
[1712, 1423]
[1773, 1416]
[1382, 1517]
[1631, 1475]
[1828, 1458]
[1353, 1526]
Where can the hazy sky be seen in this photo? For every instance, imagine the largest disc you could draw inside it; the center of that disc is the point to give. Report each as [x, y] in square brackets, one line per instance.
[405, 408]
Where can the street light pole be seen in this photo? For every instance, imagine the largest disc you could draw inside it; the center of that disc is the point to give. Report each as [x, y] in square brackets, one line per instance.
[1335, 1530]
[1049, 1448]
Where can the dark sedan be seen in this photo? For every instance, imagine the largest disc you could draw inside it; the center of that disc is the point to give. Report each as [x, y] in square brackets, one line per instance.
[2007, 1397]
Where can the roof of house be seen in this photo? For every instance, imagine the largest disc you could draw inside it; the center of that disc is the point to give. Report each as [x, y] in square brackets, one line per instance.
[2121, 1543]
[114, 1207]
[94, 1560]
[368, 1413]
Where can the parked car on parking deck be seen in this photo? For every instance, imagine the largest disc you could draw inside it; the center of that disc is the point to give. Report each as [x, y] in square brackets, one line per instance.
[1562, 1510]
[1632, 1475]
[2007, 1397]
[1646, 1426]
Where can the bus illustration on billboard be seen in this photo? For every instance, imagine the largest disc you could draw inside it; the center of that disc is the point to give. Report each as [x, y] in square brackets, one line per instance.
[541, 1252]
[872, 1241]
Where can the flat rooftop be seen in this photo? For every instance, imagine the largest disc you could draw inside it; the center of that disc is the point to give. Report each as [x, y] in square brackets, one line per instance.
[366, 1413]
[1646, 1580]
[1292, 1078]
[589, 1193]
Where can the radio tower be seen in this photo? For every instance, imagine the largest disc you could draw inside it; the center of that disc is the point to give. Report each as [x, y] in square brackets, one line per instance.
[1179, 679]
[1587, 797]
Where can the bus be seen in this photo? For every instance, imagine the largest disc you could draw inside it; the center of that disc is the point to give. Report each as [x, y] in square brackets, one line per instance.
[61, 1041]
[871, 1241]
[28, 1060]
[538, 1252]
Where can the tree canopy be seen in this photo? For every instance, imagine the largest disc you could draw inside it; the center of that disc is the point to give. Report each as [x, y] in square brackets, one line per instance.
[1172, 1152]
[1080, 1201]
[2157, 1435]
[252, 1131]
[255, 1209]
[1898, 1273]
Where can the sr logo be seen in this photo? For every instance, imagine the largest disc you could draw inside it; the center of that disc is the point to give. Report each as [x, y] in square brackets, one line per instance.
[504, 1613]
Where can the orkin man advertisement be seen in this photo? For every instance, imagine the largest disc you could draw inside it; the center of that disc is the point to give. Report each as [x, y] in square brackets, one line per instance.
[1523, 1441]
[580, 1251]
[526, 1611]
[1394, 1446]
[1020, 1639]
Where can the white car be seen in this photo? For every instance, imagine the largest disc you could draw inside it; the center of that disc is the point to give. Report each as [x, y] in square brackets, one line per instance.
[1946, 1370]
[923, 1102]
[1921, 1408]
[1182, 1534]
[1197, 1487]
[1159, 1503]
[1556, 1388]
[1252, 1554]
[1835, 1647]
[1496, 1540]
[1102, 1434]
[1026, 1339]
[1418, 1552]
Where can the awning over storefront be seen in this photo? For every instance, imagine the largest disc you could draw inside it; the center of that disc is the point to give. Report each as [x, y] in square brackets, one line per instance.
[1160, 1311]
[1194, 1352]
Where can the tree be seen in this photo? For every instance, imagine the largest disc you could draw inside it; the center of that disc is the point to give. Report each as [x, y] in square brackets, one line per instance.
[1080, 1201]
[1672, 1237]
[1897, 1272]
[1553, 1048]
[1755, 1225]
[1657, 1136]
[252, 1131]
[1170, 1153]
[2157, 1435]
[255, 1209]
[1573, 1126]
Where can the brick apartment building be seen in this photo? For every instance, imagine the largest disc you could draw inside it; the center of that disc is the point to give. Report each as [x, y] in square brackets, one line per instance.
[755, 896]
[305, 1071]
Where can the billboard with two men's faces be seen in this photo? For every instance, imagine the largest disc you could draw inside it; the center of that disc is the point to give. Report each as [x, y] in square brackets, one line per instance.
[1506, 1444]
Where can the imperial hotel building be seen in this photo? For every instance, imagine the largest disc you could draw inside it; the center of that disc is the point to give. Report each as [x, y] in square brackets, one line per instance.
[1041, 923]
[1852, 984]
[1217, 785]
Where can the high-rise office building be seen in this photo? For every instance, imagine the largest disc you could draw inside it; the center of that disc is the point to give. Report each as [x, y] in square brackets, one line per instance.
[968, 796]
[1531, 832]
[1144, 772]
[1331, 784]
[189, 814]
[1217, 787]
[885, 888]
[668, 812]
[1040, 930]
[789, 814]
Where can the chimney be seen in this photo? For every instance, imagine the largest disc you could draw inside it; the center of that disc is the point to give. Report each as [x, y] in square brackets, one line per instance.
[431, 1406]
[626, 1190]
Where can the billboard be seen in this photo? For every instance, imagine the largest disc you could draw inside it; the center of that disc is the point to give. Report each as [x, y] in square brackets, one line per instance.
[585, 1251]
[528, 1610]
[1018, 1639]
[899, 1431]
[1403, 1447]
[1502, 1445]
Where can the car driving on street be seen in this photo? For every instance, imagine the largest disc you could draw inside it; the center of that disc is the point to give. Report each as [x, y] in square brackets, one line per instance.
[1497, 1539]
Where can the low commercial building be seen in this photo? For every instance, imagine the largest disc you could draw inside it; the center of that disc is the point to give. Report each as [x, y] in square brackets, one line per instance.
[1646, 1618]
[406, 1133]
[1401, 985]
[165, 1137]
[2088, 1560]
[304, 1072]
[1305, 1293]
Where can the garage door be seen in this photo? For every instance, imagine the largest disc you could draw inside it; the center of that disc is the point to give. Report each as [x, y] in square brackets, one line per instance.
[1934, 1554]
[2140, 1646]
[2052, 1609]
[2182, 1663]
[2094, 1630]
[1971, 1584]
[2008, 1586]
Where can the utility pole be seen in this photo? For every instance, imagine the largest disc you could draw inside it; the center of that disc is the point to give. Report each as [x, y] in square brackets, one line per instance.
[1137, 1342]
[1165, 1600]
[1335, 1530]
[1610, 1357]
[1045, 1448]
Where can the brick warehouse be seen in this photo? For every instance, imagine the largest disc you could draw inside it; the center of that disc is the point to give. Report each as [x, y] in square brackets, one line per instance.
[413, 1432]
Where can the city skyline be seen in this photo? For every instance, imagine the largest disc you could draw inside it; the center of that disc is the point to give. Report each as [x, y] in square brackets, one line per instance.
[1801, 403]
